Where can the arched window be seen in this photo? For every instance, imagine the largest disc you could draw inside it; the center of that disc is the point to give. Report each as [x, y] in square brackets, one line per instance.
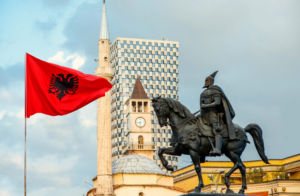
[105, 58]
[140, 142]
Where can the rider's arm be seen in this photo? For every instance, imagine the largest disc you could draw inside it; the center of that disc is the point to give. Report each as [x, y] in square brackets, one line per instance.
[217, 101]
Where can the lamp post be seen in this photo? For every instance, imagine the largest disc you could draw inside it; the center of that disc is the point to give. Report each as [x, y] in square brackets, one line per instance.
[223, 188]
[216, 179]
[87, 182]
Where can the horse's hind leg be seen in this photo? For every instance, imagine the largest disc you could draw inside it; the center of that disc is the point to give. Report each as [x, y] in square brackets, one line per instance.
[242, 169]
[196, 161]
[169, 151]
[235, 159]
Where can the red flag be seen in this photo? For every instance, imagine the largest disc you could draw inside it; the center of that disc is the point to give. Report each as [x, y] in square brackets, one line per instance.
[55, 90]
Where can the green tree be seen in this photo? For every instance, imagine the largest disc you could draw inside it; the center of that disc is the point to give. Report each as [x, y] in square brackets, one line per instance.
[280, 173]
[256, 174]
[214, 176]
[249, 175]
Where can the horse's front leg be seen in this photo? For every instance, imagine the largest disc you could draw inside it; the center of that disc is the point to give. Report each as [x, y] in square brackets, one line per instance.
[169, 151]
[196, 161]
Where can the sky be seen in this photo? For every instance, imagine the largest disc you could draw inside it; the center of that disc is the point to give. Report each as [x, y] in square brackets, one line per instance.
[254, 44]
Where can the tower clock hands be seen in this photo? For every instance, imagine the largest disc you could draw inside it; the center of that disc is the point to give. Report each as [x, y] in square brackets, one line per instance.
[140, 122]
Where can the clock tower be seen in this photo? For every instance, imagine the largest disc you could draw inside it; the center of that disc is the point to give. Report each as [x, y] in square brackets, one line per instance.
[138, 130]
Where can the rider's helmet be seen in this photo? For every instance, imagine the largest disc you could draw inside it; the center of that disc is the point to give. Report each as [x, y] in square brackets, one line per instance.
[210, 80]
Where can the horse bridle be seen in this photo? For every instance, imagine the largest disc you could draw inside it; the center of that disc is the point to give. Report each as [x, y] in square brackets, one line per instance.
[183, 122]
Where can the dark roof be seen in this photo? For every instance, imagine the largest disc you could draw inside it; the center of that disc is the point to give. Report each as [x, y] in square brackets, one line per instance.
[138, 91]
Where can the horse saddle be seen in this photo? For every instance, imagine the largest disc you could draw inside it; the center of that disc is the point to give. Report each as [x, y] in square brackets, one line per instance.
[206, 130]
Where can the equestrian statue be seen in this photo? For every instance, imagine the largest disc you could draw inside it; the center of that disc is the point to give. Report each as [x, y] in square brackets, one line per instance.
[211, 133]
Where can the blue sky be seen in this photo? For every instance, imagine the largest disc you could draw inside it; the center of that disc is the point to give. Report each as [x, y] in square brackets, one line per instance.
[254, 44]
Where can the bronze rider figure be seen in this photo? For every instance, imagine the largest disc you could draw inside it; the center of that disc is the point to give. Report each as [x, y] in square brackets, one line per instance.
[214, 104]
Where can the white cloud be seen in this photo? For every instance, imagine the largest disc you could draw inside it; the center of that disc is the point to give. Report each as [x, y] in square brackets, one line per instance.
[5, 193]
[2, 113]
[88, 115]
[76, 60]
[21, 114]
[57, 58]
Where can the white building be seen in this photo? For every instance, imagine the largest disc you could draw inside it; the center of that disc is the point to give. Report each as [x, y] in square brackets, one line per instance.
[155, 62]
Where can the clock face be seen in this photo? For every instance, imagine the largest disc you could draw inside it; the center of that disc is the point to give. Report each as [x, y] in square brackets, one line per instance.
[140, 122]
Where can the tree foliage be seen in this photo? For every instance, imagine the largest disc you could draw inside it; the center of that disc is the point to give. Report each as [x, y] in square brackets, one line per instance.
[280, 173]
[256, 174]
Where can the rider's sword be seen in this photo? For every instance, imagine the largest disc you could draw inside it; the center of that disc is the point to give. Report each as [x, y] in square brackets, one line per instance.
[210, 142]
[212, 145]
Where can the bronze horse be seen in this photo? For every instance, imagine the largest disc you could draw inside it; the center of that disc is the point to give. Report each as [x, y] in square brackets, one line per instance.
[189, 140]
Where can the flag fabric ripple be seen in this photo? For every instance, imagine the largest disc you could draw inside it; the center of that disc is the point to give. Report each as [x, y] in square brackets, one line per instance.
[56, 90]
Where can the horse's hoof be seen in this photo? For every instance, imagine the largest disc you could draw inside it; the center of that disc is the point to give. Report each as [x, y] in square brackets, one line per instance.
[197, 190]
[229, 191]
[227, 183]
[242, 192]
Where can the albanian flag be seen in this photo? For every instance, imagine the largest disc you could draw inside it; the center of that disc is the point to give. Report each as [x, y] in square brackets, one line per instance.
[55, 90]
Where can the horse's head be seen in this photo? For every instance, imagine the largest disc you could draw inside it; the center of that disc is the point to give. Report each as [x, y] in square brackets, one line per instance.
[162, 110]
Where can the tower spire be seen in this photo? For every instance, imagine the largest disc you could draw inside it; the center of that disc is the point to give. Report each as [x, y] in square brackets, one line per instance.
[138, 90]
[104, 25]
[104, 185]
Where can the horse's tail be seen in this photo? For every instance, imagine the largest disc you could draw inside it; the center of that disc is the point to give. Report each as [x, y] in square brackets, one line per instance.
[256, 134]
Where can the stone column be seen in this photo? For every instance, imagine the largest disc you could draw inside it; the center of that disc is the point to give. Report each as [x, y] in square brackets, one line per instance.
[104, 160]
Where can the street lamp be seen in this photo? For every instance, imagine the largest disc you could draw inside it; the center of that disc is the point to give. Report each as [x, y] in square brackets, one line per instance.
[216, 180]
[223, 188]
[87, 182]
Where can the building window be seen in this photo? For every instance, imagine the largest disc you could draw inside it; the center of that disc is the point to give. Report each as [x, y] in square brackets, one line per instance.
[140, 142]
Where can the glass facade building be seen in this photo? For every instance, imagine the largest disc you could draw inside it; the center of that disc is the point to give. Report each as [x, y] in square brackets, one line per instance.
[156, 63]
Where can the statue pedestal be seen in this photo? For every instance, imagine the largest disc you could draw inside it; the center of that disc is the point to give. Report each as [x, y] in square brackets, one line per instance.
[213, 194]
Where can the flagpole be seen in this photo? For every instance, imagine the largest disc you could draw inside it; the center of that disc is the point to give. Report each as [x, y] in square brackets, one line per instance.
[25, 73]
[25, 161]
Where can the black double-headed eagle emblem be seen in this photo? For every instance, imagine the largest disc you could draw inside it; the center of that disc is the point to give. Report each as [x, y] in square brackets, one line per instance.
[62, 86]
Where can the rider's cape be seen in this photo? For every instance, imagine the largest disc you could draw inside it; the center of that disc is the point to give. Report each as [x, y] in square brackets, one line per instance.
[228, 110]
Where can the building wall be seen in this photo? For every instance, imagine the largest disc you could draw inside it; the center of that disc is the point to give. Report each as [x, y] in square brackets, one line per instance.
[156, 62]
[291, 187]
[147, 190]
[142, 179]
[186, 178]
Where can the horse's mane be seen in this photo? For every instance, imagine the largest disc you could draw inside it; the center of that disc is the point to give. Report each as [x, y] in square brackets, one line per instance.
[178, 107]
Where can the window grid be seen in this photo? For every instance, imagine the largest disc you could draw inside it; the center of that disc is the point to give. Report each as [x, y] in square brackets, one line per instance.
[157, 63]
